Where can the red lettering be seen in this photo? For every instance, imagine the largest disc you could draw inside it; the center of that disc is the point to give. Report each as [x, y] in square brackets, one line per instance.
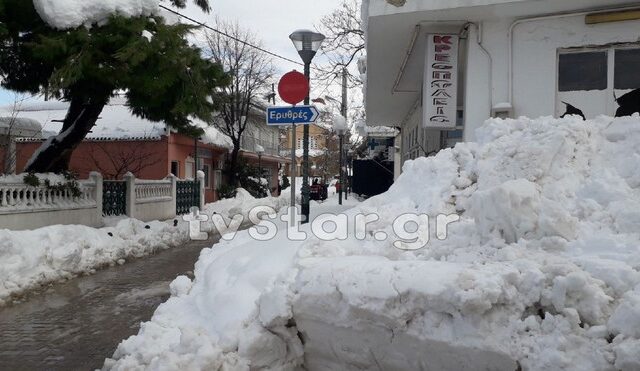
[442, 48]
[438, 39]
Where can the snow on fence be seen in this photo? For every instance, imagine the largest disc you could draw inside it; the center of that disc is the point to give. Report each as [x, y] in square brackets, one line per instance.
[26, 207]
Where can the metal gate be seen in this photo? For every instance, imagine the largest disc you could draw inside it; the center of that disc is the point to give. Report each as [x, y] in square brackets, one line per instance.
[187, 196]
[114, 198]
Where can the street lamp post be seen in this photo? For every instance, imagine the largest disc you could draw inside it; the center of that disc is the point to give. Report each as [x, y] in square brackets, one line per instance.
[340, 127]
[260, 152]
[307, 44]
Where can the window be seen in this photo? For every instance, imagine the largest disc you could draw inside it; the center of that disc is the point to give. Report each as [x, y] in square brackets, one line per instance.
[206, 169]
[627, 75]
[189, 165]
[217, 179]
[582, 71]
[300, 143]
[175, 168]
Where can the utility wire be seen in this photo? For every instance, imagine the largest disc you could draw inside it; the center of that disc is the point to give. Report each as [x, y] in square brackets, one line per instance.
[234, 38]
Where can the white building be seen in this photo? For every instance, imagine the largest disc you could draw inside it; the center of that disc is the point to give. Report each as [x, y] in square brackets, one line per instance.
[515, 58]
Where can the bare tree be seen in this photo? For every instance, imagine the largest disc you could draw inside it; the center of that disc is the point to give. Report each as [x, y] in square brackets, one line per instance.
[345, 42]
[115, 161]
[7, 142]
[11, 127]
[251, 72]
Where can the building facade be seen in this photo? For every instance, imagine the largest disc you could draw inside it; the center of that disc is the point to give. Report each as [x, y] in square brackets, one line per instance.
[121, 143]
[514, 58]
[322, 150]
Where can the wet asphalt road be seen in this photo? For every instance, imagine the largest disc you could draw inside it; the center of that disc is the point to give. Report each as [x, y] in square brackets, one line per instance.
[76, 325]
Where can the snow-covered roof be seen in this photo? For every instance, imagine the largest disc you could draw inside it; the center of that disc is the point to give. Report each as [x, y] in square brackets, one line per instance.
[19, 127]
[116, 122]
[381, 131]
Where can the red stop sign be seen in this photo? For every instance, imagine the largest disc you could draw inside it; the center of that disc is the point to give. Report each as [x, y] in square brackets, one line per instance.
[293, 87]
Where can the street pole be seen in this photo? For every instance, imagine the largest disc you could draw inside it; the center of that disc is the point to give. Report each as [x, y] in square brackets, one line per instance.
[341, 177]
[343, 109]
[307, 43]
[293, 173]
[306, 190]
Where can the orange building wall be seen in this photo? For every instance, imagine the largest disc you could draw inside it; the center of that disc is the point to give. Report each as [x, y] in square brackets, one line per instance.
[149, 159]
[145, 159]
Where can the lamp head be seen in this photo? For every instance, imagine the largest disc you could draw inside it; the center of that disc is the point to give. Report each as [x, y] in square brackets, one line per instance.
[307, 43]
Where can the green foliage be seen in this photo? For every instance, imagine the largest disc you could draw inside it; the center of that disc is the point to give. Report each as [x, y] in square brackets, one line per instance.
[32, 180]
[285, 182]
[71, 183]
[164, 78]
[226, 191]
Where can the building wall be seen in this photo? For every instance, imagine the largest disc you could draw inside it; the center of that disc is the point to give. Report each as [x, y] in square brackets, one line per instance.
[323, 140]
[535, 57]
[181, 149]
[146, 159]
[317, 133]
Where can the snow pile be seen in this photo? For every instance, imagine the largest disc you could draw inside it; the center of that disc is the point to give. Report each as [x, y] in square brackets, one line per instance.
[65, 14]
[244, 202]
[29, 259]
[542, 272]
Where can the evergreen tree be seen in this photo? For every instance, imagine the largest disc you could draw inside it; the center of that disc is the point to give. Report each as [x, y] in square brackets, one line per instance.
[162, 76]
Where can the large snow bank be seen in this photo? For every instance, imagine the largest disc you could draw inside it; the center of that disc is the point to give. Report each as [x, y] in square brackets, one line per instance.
[29, 259]
[541, 272]
[65, 14]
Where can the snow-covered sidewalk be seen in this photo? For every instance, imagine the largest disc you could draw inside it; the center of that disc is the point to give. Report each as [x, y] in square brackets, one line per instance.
[542, 272]
[33, 258]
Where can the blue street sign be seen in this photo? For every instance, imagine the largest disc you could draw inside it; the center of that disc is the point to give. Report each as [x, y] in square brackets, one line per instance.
[277, 116]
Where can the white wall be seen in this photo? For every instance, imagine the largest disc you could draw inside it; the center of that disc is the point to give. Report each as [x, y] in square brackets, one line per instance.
[535, 47]
[33, 219]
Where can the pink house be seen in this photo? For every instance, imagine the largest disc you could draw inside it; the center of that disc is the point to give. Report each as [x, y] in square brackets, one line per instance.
[121, 143]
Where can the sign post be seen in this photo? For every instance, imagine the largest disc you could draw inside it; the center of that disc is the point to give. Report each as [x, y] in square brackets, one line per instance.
[277, 116]
[440, 91]
[293, 88]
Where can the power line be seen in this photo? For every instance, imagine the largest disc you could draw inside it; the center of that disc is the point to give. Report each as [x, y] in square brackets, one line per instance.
[234, 38]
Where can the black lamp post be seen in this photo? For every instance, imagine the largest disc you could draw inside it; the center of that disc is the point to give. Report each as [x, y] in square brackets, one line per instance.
[340, 128]
[307, 44]
[260, 152]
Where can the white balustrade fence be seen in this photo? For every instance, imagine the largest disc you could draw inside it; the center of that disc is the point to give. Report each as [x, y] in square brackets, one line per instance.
[26, 207]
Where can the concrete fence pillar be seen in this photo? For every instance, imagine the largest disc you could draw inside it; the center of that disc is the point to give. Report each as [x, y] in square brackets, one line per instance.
[130, 180]
[97, 179]
[201, 180]
[174, 190]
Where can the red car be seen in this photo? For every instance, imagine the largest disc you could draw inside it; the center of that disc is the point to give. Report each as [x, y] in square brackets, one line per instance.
[319, 192]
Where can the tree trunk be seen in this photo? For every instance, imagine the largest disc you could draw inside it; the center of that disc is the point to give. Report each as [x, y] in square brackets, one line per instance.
[55, 154]
[233, 165]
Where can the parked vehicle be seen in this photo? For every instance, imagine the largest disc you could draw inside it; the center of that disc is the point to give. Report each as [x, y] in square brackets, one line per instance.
[319, 191]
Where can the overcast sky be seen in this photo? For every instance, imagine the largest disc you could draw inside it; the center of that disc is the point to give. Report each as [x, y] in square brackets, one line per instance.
[272, 21]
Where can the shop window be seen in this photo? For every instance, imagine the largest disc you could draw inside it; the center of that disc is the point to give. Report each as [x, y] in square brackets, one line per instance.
[582, 71]
[627, 75]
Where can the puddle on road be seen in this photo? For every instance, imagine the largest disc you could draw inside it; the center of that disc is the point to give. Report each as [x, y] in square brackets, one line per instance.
[154, 290]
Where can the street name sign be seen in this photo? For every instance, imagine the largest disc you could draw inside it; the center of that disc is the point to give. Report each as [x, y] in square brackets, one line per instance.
[277, 116]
